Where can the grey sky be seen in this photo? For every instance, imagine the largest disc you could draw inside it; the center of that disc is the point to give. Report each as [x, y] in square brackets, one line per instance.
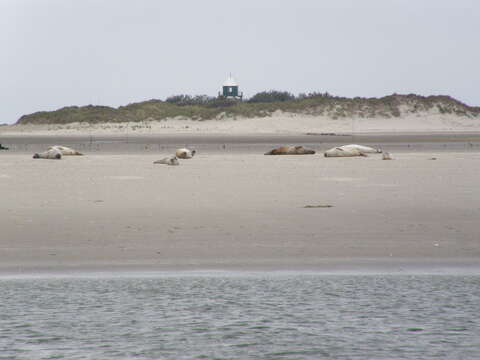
[56, 53]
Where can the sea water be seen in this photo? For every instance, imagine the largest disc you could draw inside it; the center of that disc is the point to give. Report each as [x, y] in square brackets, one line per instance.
[225, 316]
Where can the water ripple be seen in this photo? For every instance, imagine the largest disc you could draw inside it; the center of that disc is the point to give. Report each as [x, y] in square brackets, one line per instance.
[235, 317]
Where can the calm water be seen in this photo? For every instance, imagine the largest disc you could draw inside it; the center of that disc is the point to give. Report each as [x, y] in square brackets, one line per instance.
[302, 316]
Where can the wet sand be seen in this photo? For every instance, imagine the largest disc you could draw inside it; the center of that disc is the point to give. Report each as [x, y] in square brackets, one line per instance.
[231, 207]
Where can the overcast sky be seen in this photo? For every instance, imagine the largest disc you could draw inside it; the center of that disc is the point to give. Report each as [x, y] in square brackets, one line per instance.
[56, 53]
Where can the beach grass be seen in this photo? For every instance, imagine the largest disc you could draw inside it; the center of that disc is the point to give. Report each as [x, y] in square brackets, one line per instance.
[206, 108]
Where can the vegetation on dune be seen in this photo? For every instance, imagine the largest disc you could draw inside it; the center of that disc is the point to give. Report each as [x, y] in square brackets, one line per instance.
[271, 96]
[203, 107]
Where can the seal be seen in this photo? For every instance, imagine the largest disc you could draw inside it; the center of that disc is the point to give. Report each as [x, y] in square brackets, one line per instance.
[53, 154]
[65, 150]
[290, 150]
[170, 160]
[343, 152]
[184, 153]
[386, 156]
[362, 148]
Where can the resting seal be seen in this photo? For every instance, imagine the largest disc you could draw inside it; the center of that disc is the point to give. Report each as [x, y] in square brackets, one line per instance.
[50, 154]
[386, 156]
[363, 149]
[65, 150]
[343, 152]
[170, 160]
[290, 150]
[184, 153]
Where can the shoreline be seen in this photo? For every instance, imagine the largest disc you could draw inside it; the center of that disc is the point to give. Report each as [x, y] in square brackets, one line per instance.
[323, 266]
[248, 143]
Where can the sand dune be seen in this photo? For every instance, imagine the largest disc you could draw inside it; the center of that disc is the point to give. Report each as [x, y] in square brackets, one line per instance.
[278, 123]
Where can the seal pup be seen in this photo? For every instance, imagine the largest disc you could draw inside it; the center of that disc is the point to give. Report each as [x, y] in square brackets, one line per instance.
[170, 160]
[362, 148]
[65, 150]
[386, 156]
[343, 152]
[184, 153]
[49, 154]
[290, 150]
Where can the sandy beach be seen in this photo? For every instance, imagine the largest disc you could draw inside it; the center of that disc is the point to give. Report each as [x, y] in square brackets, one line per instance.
[231, 207]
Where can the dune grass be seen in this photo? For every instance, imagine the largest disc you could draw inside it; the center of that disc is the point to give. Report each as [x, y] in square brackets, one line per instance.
[206, 108]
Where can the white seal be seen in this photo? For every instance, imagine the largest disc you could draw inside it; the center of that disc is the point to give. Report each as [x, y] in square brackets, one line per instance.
[362, 148]
[343, 152]
[386, 156]
[65, 150]
[170, 160]
[184, 153]
[53, 154]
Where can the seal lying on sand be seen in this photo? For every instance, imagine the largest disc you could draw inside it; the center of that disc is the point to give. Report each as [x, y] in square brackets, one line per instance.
[50, 154]
[343, 152]
[170, 160]
[362, 148]
[290, 150]
[65, 150]
[185, 153]
[386, 156]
